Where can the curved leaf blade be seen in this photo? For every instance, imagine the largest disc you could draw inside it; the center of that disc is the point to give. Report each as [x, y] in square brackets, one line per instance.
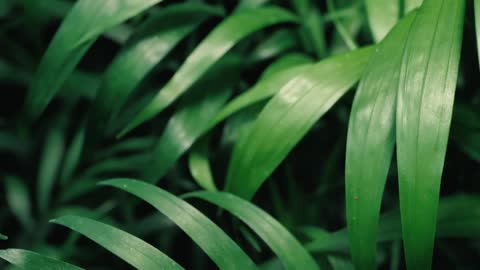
[287, 118]
[28, 260]
[192, 119]
[370, 143]
[211, 239]
[153, 40]
[424, 110]
[210, 50]
[279, 239]
[86, 21]
[264, 89]
[127, 247]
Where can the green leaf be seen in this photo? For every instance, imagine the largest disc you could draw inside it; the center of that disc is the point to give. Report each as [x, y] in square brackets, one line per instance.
[182, 130]
[130, 163]
[192, 120]
[199, 165]
[279, 239]
[85, 22]
[428, 79]
[18, 199]
[287, 118]
[210, 50]
[3, 237]
[458, 216]
[286, 62]
[370, 143]
[268, 86]
[72, 156]
[211, 239]
[250, 4]
[28, 260]
[153, 40]
[49, 166]
[382, 16]
[279, 42]
[127, 247]
[135, 144]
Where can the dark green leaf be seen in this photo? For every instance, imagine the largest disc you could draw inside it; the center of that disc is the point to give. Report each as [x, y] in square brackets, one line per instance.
[284, 244]
[28, 260]
[18, 200]
[49, 166]
[148, 46]
[127, 247]
[199, 165]
[86, 21]
[212, 48]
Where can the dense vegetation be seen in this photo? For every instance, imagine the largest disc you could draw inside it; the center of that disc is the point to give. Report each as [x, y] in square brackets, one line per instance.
[337, 134]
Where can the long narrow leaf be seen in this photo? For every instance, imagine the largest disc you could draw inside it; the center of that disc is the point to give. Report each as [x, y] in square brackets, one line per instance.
[28, 260]
[212, 48]
[49, 166]
[370, 142]
[192, 120]
[288, 117]
[284, 244]
[151, 43]
[424, 110]
[216, 244]
[127, 247]
[86, 21]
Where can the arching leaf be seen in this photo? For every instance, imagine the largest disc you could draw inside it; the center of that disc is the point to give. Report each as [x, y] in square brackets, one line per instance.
[284, 244]
[211, 239]
[127, 247]
[85, 22]
[210, 50]
[288, 117]
[28, 260]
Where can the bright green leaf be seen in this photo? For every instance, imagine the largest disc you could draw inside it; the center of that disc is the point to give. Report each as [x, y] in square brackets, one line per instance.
[211, 239]
[370, 143]
[426, 92]
[288, 117]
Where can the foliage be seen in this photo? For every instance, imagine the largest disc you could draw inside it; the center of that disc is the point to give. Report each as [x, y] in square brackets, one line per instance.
[253, 135]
